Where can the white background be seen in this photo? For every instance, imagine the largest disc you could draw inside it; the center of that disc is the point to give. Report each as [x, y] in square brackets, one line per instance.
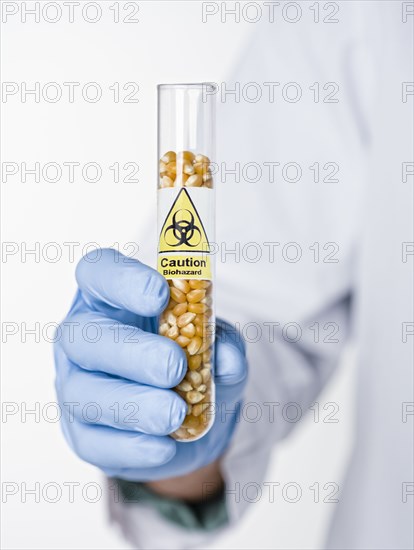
[169, 44]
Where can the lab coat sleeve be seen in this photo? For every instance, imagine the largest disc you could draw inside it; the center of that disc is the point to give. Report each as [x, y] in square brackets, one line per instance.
[285, 379]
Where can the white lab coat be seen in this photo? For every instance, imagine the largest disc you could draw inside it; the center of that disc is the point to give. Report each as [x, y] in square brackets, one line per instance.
[368, 214]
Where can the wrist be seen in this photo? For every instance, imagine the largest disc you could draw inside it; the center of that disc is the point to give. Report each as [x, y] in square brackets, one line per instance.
[201, 485]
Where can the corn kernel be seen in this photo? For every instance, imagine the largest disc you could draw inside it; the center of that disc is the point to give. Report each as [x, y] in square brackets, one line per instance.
[177, 295]
[186, 155]
[184, 386]
[197, 308]
[173, 332]
[164, 328]
[185, 319]
[166, 181]
[179, 309]
[201, 168]
[205, 375]
[194, 345]
[194, 362]
[194, 397]
[190, 421]
[188, 168]
[198, 283]
[194, 181]
[195, 296]
[169, 157]
[183, 341]
[182, 285]
[189, 330]
[194, 378]
[196, 410]
[171, 318]
[172, 169]
[202, 158]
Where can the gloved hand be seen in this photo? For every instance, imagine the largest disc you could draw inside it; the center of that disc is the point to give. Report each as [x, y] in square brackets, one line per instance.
[113, 374]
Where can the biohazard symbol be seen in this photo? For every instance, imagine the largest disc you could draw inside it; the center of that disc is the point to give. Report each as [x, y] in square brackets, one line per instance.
[183, 229]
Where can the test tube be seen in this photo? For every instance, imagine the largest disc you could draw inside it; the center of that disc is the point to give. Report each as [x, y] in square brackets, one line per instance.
[186, 224]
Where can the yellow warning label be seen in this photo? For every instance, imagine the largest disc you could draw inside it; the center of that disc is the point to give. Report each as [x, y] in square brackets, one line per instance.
[175, 266]
[183, 230]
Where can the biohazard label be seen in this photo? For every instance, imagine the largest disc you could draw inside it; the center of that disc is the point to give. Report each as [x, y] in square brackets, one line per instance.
[185, 216]
[183, 230]
[184, 267]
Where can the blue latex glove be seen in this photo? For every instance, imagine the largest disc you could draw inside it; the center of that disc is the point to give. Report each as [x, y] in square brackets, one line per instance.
[127, 372]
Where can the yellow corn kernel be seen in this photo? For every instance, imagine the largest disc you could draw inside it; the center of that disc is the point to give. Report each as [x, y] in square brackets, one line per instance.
[194, 362]
[196, 295]
[200, 319]
[206, 375]
[196, 410]
[207, 356]
[185, 155]
[190, 421]
[172, 169]
[183, 341]
[173, 332]
[201, 168]
[164, 329]
[166, 181]
[198, 283]
[194, 345]
[197, 308]
[189, 330]
[163, 168]
[171, 318]
[206, 415]
[177, 295]
[194, 378]
[194, 397]
[185, 319]
[204, 346]
[187, 168]
[207, 396]
[179, 309]
[169, 157]
[202, 158]
[194, 181]
[206, 176]
[182, 285]
[181, 433]
[184, 385]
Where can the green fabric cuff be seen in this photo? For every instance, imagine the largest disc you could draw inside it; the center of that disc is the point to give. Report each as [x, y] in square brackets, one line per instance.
[207, 515]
